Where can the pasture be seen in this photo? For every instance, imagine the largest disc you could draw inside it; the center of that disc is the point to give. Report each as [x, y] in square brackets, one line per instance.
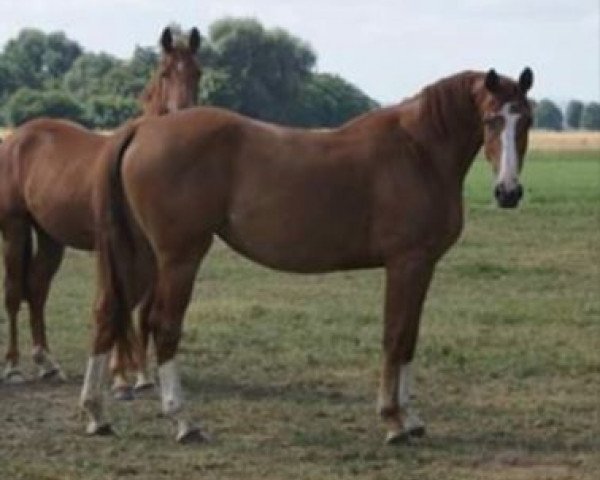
[282, 369]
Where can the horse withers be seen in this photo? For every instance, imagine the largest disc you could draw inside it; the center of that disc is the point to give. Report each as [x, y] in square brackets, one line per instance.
[47, 172]
[384, 190]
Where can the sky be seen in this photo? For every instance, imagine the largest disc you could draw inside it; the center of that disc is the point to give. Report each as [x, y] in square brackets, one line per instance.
[388, 48]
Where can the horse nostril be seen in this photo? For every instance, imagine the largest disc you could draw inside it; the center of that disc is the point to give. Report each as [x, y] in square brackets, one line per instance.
[498, 191]
[519, 192]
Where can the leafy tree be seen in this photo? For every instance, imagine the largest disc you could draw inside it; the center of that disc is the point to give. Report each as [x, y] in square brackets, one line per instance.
[8, 82]
[35, 57]
[216, 88]
[548, 116]
[60, 54]
[264, 73]
[26, 104]
[573, 114]
[590, 117]
[144, 61]
[328, 100]
[88, 74]
[109, 111]
[265, 68]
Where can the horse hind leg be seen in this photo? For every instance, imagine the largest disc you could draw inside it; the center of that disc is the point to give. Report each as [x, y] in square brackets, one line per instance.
[16, 250]
[143, 380]
[43, 267]
[121, 361]
[173, 289]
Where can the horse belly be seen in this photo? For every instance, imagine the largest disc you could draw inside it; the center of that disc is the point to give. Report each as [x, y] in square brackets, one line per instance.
[301, 235]
[63, 212]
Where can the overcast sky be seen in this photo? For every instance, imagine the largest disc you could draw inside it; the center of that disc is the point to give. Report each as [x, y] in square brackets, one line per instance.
[388, 48]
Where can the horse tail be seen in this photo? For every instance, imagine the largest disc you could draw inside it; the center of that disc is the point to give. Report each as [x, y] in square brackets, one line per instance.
[116, 247]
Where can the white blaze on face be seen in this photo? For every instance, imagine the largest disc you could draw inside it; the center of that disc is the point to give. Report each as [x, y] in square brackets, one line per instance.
[508, 175]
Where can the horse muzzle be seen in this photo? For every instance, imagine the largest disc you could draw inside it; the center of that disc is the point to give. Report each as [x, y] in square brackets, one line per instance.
[508, 198]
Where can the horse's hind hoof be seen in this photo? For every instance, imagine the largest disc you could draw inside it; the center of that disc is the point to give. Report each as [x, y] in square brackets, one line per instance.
[101, 430]
[417, 431]
[193, 436]
[123, 393]
[13, 377]
[53, 374]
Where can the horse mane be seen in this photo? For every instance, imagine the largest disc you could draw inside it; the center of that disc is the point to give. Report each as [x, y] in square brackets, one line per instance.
[439, 102]
[442, 103]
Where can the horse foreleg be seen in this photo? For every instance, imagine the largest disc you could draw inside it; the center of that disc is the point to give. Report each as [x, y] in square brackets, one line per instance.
[45, 263]
[407, 281]
[16, 250]
[175, 279]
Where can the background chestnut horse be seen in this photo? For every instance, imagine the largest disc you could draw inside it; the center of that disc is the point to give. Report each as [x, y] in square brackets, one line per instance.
[384, 190]
[47, 170]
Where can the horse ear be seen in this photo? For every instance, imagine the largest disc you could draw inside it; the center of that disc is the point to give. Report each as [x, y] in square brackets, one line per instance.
[166, 40]
[526, 80]
[491, 81]
[194, 41]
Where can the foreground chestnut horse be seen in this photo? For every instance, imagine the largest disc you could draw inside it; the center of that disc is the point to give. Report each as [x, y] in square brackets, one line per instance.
[47, 170]
[384, 190]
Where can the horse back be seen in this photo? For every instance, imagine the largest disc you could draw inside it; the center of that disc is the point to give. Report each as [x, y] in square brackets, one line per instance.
[50, 167]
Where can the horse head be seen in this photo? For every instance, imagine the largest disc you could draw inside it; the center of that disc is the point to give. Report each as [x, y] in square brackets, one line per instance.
[175, 84]
[507, 118]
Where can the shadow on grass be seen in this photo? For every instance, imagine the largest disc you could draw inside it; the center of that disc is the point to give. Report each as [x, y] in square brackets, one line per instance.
[218, 387]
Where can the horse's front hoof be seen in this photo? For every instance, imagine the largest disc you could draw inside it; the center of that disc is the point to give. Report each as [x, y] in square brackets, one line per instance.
[397, 437]
[99, 429]
[53, 374]
[193, 435]
[143, 388]
[13, 377]
[123, 393]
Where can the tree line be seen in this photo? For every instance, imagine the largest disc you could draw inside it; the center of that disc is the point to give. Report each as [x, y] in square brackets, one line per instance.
[576, 116]
[264, 73]
[267, 74]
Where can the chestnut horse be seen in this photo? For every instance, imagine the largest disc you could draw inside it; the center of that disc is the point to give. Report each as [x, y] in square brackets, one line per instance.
[384, 190]
[47, 169]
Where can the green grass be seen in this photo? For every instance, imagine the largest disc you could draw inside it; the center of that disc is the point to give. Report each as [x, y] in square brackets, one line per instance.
[282, 369]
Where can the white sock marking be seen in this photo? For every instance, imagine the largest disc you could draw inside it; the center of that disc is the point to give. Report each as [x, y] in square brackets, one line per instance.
[94, 377]
[404, 385]
[170, 387]
[411, 419]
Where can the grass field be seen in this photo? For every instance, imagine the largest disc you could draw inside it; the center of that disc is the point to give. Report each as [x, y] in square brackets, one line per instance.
[282, 369]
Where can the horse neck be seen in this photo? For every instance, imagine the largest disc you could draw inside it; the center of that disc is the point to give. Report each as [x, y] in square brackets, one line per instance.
[449, 126]
[151, 99]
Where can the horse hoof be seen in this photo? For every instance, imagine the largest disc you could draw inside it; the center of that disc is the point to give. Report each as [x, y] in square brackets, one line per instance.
[143, 387]
[417, 431]
[397, 437]
[101, 430]
[123, 394]
[53, 374]
[14, 377]
[193, 436]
